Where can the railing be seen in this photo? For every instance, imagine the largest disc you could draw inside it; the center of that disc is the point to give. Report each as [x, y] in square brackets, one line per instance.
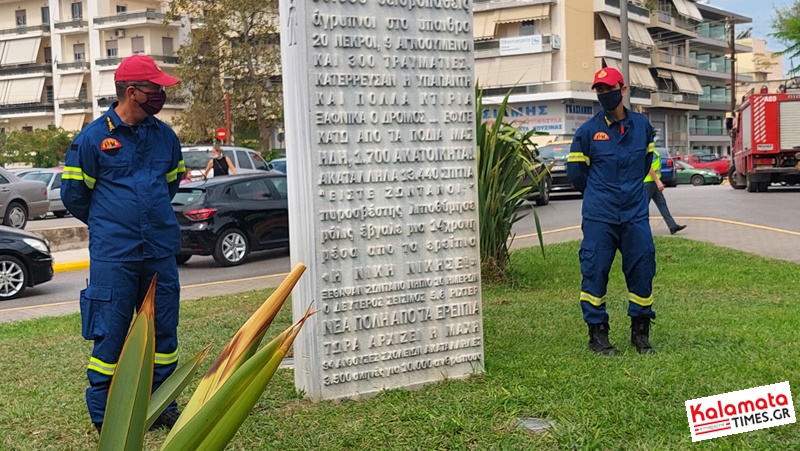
[717, 33]
[614, 46]
[25, 30]
[668, 58]
[716, 66]
[707, 131]
[74, 23]
[678, 97]
[74, 65]
[540, 88]
[717, 98]
[123, 17]
[39, 107]
[79, 104]
[21, 70]
[108, 61]
[166, 59]
[639, 93]
[633, 9]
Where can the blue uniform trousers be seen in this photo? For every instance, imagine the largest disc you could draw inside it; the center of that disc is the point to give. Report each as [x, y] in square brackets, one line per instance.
[599, 247]
[115, 291]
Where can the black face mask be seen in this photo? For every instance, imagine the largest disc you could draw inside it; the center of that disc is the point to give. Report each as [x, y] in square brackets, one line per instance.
[610, 100]
[154, 103]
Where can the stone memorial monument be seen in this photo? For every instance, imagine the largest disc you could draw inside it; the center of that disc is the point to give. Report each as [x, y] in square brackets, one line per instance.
[380, 119]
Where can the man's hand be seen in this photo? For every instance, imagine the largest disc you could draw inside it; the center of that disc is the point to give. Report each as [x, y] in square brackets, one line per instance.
[659, 185]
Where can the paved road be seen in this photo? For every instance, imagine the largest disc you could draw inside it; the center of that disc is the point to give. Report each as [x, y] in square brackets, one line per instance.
[771, 210]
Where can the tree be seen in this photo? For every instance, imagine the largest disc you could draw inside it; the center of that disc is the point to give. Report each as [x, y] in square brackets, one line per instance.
[787, 26]
[41, 148]
[238, 39]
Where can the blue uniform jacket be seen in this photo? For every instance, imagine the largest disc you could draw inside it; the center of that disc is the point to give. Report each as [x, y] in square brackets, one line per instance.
[120, 180]
[608, 162]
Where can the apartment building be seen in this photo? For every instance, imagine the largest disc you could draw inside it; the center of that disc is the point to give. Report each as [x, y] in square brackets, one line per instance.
[58, 57]
[545, 53]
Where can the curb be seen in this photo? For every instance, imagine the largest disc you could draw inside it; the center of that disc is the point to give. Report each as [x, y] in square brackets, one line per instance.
[78, 265]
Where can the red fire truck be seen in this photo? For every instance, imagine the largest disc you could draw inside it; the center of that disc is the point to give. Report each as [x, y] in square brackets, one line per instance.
[766, 144]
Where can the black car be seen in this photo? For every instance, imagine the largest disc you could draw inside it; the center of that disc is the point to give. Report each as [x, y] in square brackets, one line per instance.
[555, 156]
[25, 261]
[230, 216]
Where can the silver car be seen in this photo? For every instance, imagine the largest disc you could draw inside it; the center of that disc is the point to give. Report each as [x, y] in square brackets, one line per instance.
[244, 160]
[52, 178]
[21, 199]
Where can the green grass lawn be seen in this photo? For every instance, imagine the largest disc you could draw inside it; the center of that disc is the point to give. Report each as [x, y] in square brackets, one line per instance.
[726, 321]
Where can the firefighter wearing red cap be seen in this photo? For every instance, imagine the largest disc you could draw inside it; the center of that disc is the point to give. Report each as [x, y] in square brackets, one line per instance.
[120, 175]
[609, 158]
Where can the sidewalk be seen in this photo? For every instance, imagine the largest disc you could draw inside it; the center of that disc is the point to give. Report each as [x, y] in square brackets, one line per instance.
[71, 260]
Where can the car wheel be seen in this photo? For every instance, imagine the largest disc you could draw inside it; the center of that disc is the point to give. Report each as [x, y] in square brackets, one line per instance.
[231, 248]
[13, 277]
[752, 187]
[734, 179]
[16, 215]
[181, 259]
[698, 180]
[544, 194]
[60, 214]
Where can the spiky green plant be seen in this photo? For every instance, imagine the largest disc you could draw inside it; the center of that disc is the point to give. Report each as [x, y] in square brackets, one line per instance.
[505, 180]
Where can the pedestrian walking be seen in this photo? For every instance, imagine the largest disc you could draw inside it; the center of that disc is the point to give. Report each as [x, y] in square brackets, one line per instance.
[221, 164]
[120, 175]
[655, 192]
[610, 156]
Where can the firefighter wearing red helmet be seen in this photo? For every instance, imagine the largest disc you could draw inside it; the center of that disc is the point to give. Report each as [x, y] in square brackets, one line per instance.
[610, 156]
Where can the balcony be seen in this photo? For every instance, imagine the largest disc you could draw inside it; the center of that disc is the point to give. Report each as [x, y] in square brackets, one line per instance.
[671, 26]
[715, 102]
[483, 49]
[41, 69]
[635, 12]
[539, 88]
[613, 49]
[674, 62]
[678, 100]
[77, 25]
[132, 18]
[78, 104]
[707, 131]
[27, 109]
[33, 30]
[76, 65]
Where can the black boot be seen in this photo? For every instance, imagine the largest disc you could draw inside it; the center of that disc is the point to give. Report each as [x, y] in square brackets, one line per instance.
[598, 340]
[640, 335]
[166, 420]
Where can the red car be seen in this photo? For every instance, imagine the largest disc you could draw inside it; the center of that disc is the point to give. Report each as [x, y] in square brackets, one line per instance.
[711, 161]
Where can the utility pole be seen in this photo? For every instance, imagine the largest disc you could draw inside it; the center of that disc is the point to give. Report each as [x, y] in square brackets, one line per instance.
[626, 72]
[732, 46]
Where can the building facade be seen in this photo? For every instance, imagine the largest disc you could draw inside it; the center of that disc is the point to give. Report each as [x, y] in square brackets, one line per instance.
[545, 52]
[58, 57]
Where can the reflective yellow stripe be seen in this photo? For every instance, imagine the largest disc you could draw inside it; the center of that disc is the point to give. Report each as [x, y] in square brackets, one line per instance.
[88, 180]
[644, 302]
[166, 359]
[75, 173]
[594, 300]
[651, 147]
[577, 157]
[102, 367]
[173, 174]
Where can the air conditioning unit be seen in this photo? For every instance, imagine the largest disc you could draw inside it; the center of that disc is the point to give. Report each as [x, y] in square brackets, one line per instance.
[120, 33]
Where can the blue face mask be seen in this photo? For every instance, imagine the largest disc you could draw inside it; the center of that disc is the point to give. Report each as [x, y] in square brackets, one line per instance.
[610, 100]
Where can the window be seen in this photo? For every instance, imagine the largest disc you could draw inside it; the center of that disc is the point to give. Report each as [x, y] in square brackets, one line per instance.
[3, 180]
[22, 18]
[122, 9]
[27, 128]
[49, 93]
[137, 45]
[79, 52]
[281, 186]
[111, 49]
[166, 45]
[77, 11]
[45, 15]
[57, 181]
[252, 190]
[48, 54]
[244, 160]
[527, 28]
[259, 162]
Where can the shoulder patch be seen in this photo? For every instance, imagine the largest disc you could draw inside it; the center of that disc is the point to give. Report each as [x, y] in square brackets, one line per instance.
[110, 144]
[601, 136]
[73, 147]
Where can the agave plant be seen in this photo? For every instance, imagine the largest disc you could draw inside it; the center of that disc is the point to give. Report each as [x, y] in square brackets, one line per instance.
[505, 161]
[222, 400]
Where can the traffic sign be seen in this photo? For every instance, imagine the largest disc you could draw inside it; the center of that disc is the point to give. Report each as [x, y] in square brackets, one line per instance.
[221, 134]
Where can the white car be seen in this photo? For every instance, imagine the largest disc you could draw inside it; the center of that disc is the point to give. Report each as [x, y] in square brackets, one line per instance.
[244, 160]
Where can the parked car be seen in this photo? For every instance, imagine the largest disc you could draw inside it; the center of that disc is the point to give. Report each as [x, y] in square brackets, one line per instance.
[21, 199]
[668, 175]
[25, 261]
[707, 161]
[689, 174]
[278, 164]
[229, 217]
[555, 155]
[244, 160]
[52, 178]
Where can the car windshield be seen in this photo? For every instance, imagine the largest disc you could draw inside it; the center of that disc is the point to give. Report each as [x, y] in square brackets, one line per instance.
[708, 158]
[38, 176]
[554, 151]
[198, 159]
[684, 165]
[188, 196]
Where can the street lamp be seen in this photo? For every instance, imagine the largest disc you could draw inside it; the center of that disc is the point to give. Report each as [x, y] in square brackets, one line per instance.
[227, 84]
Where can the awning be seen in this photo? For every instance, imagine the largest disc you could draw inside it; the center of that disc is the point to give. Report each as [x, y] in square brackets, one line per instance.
[73, 122]
[514, 70]
[21, 51]
[641, 77]
[4, 85]
[483, 26]
[637, 33]
[687, 83]
[664, 74]
[107, 88]
[25, 90]
[70, 87]
[688, 9]
[528, 12]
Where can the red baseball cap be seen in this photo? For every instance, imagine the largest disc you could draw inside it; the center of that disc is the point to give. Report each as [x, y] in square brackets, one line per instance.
[607, 76]
[143, 68]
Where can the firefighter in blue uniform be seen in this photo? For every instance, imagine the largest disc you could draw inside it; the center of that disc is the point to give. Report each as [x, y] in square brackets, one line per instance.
[609, 158]
[120, 175]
